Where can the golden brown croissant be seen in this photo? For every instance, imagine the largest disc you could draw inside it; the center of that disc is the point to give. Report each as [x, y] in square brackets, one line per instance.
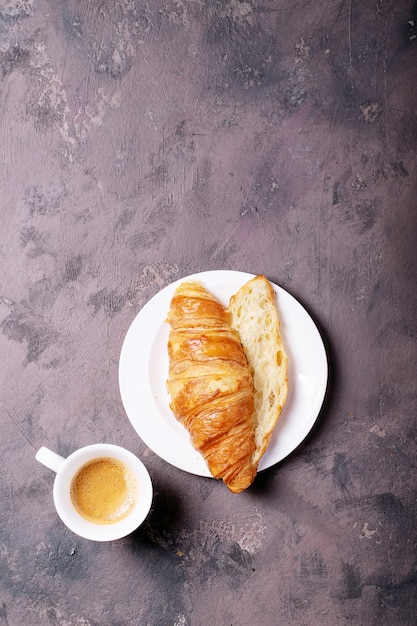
[210, 385]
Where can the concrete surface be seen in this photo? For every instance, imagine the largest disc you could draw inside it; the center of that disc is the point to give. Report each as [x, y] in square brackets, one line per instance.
[143, 141]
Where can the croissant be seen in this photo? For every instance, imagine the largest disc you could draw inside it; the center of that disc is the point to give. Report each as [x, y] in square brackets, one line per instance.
[254, 315]
[210, 386]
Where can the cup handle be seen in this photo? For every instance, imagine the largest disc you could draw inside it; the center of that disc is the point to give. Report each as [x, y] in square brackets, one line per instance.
[51, 460]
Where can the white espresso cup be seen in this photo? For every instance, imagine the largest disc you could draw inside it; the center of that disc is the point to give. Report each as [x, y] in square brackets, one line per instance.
[129, 474]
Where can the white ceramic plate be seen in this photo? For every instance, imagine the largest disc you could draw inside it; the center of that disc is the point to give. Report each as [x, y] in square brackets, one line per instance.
[143, 370]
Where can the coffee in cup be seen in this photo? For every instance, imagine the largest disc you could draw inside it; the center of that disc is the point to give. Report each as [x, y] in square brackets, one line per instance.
[101, 492]
[104, 490]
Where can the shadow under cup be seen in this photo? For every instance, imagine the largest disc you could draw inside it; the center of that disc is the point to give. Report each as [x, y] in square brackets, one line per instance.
[97, 531]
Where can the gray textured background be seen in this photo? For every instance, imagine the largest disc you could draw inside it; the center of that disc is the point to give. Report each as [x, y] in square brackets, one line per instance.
[143, 141]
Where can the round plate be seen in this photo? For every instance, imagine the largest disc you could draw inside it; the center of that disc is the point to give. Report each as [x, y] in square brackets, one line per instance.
[143, 371]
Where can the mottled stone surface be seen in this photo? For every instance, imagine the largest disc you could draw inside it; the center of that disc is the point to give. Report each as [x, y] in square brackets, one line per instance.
[143, 141]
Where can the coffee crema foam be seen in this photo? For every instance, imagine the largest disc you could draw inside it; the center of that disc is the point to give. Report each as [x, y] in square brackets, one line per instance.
[104, 491]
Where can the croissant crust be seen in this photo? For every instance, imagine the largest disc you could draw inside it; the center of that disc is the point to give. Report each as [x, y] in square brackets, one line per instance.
[210, 385]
